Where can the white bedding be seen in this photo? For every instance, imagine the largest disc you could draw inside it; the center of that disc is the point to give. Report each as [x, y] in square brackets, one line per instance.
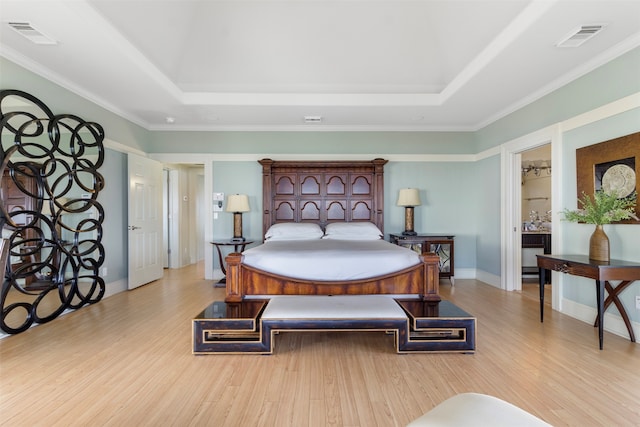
[326, 259]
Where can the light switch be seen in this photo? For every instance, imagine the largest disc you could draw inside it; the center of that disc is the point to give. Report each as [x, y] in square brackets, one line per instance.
[218, 201]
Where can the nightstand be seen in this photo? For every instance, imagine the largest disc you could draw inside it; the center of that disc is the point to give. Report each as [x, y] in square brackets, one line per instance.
[238, 246]
[440, 244]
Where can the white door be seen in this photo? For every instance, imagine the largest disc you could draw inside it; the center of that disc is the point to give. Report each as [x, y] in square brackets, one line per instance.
[145, 220]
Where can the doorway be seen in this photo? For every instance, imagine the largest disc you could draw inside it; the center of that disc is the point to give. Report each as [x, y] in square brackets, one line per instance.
[536, 212]
[511, 178]
[184, 215]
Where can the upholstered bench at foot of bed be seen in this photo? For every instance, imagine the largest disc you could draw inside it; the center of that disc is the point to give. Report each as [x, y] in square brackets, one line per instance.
[336, 307]
[477, 410]
[416, 325]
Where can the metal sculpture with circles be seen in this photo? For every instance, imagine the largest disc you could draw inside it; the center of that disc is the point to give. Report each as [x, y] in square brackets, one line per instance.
[49, 211]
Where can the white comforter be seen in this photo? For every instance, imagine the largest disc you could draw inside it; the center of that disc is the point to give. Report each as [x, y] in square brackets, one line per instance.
[330, 259]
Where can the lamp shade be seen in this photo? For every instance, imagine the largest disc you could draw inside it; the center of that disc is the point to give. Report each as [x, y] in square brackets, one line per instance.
[238, 203]
[409, 197]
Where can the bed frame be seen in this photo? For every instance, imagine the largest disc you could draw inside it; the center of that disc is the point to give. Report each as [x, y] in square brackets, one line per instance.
[323, 192]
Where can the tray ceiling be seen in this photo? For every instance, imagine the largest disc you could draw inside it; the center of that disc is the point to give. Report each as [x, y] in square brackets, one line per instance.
[351, 65]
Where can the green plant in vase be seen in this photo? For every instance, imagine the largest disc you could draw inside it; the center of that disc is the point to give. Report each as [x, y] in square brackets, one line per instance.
[602, 208]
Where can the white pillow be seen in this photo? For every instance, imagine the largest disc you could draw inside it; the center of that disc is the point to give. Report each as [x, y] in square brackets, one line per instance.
[350, 237]
[352, 231]
[293, 231]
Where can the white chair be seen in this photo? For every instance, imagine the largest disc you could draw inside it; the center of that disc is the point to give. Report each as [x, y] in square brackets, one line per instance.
[477, 410]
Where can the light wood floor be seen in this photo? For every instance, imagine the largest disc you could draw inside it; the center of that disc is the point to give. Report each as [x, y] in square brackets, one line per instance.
[127, 361]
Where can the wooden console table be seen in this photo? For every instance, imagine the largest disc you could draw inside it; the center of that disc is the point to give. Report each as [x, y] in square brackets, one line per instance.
[602, 272]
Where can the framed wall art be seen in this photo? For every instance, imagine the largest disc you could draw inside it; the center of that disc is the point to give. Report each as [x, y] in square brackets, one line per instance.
[612, 165]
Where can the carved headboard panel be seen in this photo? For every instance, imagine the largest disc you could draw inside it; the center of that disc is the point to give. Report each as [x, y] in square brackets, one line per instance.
[322, 191]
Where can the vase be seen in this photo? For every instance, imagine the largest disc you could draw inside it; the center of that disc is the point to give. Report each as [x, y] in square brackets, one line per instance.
[599, 245]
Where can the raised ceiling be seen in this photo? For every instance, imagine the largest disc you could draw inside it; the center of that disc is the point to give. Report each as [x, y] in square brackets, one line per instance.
[356, 65]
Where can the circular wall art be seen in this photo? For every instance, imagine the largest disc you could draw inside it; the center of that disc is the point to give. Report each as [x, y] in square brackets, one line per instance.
[619, 178]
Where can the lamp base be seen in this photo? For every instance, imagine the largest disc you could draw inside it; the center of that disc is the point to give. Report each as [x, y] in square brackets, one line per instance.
[408, 222]
[237, 227]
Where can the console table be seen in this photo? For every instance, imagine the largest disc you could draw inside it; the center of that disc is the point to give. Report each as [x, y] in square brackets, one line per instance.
[440, 244]
[602, 272]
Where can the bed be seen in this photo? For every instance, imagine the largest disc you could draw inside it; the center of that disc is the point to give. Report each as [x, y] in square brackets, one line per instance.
[331, 195]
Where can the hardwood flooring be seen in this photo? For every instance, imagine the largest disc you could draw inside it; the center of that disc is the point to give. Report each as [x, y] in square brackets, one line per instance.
[127, 361]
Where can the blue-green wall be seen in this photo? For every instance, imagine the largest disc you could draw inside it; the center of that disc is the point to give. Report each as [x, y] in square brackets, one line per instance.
[239, 178]
[486, 214]
[624, 239]
[113, 199]
[275, 143]
[448, 194]
[460, 196]
[61, 101]
[612, 81]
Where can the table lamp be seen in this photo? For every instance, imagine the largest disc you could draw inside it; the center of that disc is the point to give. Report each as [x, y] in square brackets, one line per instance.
[409, 198]
[237, 203]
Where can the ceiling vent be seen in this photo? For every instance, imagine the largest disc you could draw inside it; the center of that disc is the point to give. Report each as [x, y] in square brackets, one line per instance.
[312, 119]
[580, 35]
[27, 30]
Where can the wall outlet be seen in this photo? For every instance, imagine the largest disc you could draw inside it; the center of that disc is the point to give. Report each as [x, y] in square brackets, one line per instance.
[637, 302]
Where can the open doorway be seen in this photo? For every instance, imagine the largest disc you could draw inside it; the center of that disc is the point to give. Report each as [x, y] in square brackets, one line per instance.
[184, 215]
[536, 213]
[512, 216]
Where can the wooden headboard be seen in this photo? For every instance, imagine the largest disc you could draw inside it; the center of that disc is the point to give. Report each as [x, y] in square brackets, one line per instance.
[322, 191]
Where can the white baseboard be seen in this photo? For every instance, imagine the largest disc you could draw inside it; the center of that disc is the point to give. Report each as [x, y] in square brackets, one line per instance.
[612, 323]
[112, 288]
[465, 273]
[488, 278]
[472, 273]
[217, 275]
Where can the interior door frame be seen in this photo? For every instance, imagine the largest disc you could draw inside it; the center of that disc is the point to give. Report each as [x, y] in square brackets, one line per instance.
[207, 161]
[166, 237]
[511, 217]
[173, 219]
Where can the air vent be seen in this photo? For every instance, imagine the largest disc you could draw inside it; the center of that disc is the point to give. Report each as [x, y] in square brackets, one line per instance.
[27, 30]
[580, 35]
[312, 119]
